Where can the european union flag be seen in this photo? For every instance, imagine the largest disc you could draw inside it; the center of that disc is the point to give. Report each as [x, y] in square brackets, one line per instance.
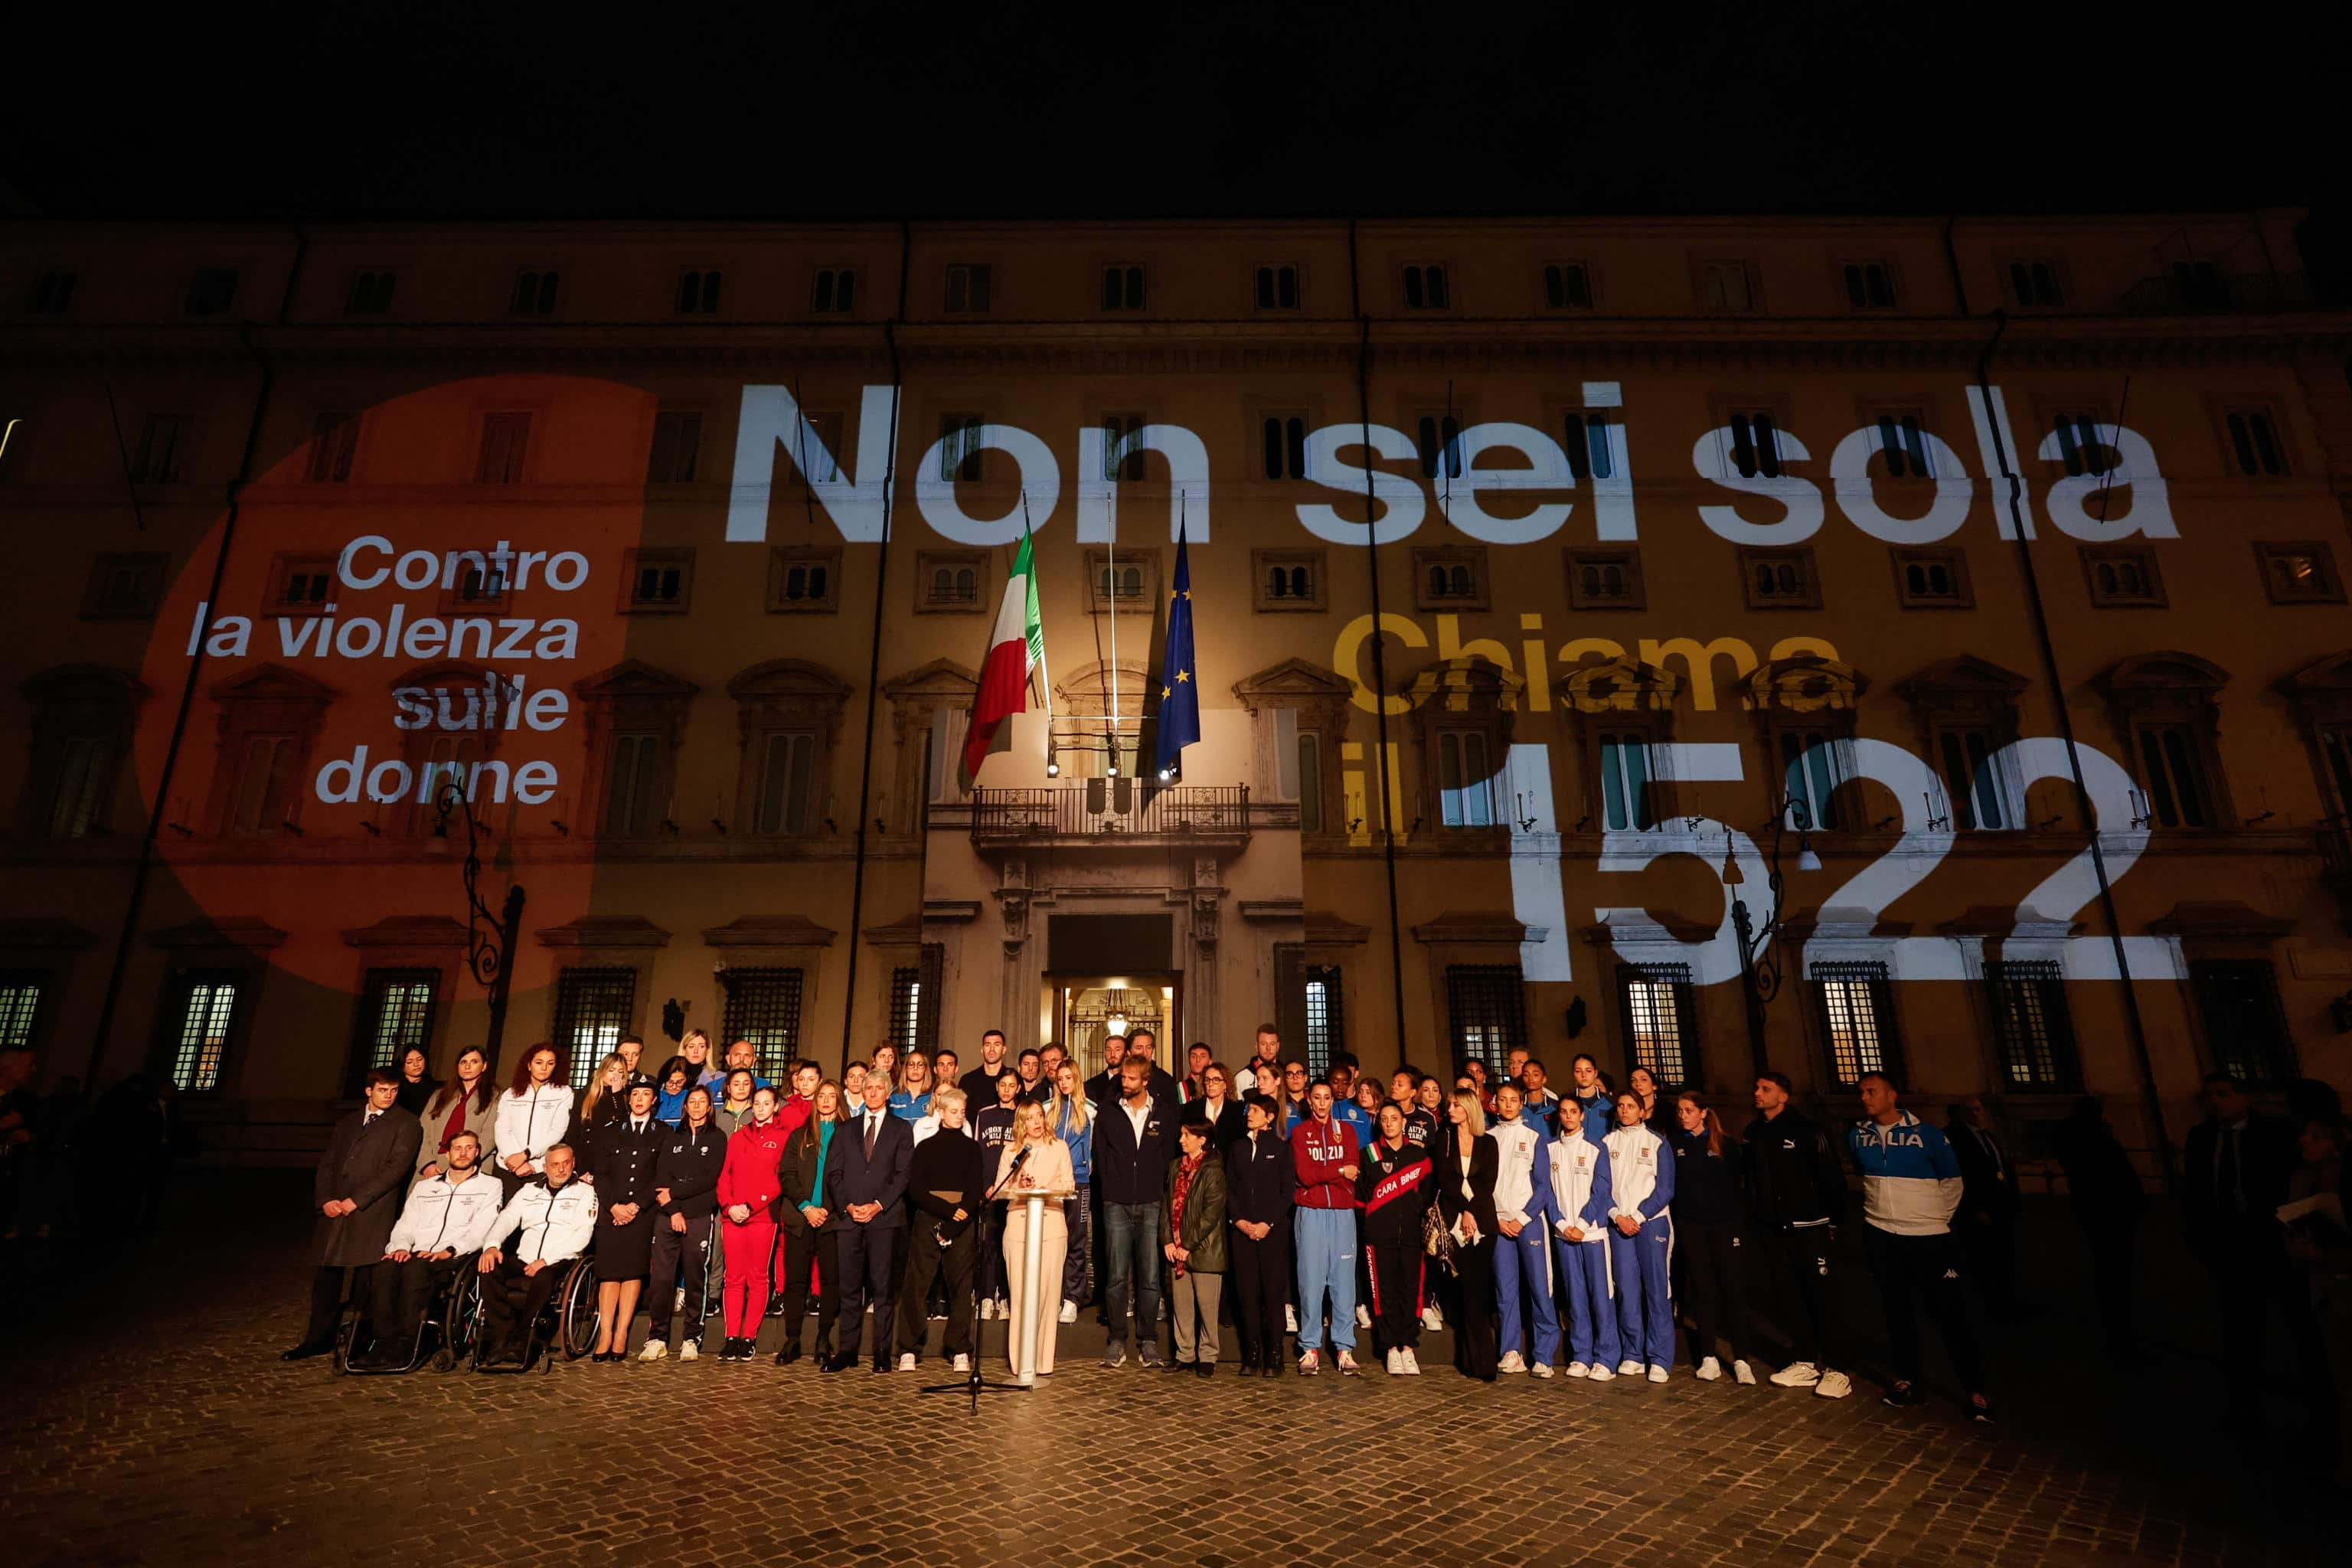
[1179, 685]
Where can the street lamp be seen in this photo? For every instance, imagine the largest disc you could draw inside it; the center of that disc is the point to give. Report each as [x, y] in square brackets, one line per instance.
[1759, 974]
[489, 938]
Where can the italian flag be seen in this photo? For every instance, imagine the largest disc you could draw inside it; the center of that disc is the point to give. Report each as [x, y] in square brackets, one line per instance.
[1015, 648]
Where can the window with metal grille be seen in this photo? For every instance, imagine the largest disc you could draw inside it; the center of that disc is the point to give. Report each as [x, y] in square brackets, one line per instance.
[764, 1006]
[395, 1012]
[2030, 1026]
[2245, 1029]
[677, 447]
[1661, 1034]
[906, 1006]
[1327, 1025]
[593, 1011]
[334, 440]
[1486, 1013]
[1857, 1020]
[203, 1013]
[20, 1005]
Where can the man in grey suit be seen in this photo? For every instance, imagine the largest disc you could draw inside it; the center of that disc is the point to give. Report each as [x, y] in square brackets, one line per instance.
[357, 1193]
[865, 1183]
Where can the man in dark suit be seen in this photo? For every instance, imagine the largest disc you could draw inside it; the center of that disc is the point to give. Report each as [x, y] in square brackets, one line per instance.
[1987, 1221]
[357, 1193]
[2234, 1178]
[866, 1184]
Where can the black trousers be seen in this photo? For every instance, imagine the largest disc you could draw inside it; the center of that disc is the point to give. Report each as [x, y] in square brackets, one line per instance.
[327, 1301]
[1797, 1263]
[1990, 1242]
[2252, 1275]
[1261, 1275]
[682, 1256]
[801, 1248]
[1394, 1298]
[869, 1259]
[512, 1302]
[1923, 1272]
[1710, 1256]
[398, 1292]
[1475, 1327]
[928, 1264]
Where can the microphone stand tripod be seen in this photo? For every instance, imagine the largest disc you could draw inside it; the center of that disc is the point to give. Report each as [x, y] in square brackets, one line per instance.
[977, 1384]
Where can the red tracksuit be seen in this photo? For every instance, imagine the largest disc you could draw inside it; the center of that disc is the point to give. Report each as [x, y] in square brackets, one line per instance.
[749, 1177]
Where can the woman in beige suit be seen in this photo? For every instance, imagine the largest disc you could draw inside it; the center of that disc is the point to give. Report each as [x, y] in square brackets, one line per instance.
[1046, 1170]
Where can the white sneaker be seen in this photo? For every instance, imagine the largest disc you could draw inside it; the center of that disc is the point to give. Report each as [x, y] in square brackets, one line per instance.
[1743, 1374]
[1430, 1319]
[1395, 1362]
[1363, 1316]
[1629, 1367]
[1657, 1374]
[690, 1350]
[1004, 1308]
[1069, 1312]
[1833, 1386]
[1411, 1361]
[1797, 1375]
[1289, 1320]
[987, 1308]
[1601, 1373]
[1541, 1368]
[654, 1350]
[1710, 1369]
[907, 1362]
[963, 1363]
[1511, 1362]
[1578, 1369]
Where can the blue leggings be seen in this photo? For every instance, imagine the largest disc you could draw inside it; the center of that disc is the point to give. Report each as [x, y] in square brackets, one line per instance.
[1527, 1255]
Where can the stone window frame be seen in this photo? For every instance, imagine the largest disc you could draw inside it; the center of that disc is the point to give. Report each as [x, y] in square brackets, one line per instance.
[2166, 687]
[629, 698]
[73, 702]
[786, 696]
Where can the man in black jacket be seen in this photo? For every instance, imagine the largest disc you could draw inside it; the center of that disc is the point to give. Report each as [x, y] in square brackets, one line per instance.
[979, 1085]
[1797, 1192]
[866, 1184]
[944, 1182]
[1987, 1223]
[2233, 1177]
[1133, 1145]
[356, 1195]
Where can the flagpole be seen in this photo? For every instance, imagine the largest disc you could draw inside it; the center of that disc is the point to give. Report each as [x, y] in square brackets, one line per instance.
[1044, 678]
[1111, 598]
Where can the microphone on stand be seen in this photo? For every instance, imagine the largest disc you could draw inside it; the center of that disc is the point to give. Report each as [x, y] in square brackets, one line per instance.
[1013, 1170]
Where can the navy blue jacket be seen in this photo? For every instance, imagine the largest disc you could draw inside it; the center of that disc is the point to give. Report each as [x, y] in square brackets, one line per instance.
[1127, 1172]
[1258, 1181]
[851, 1178]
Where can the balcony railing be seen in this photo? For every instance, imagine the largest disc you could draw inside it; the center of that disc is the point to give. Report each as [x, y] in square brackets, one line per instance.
[1103, 809]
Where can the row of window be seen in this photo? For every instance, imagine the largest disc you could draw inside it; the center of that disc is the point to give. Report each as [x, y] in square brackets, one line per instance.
[968, 288]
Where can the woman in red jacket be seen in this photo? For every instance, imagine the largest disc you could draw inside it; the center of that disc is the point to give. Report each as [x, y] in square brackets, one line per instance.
[748, 1190]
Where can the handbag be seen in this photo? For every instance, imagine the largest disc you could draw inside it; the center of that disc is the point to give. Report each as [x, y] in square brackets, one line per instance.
[1437, 1237]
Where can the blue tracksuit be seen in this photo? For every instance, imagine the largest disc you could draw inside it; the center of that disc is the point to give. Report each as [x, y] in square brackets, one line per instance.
[1599, 1116]
[1526, 1258]
[1584, 1264]
[1355, 1116]
[1642, 1183]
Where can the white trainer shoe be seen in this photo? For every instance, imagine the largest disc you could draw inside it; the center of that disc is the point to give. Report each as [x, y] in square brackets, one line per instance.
[1710, 1369]
[1743, 1374]
[1797, 1375]
[1411, 1361]
[1833, 1386]
[1601, 1373]
[690, 1350]
[1363, 1316]
[1433, 1320]
[1511, 1362]
[1395, 1361]
[1578, 1369]
[1541, 1368]
[1069, 1312]
[907, 1362]
[1289, 1320]
[1629, 1367]
[1657, 1374]
[654, 1350]
[963, 1363]
[987, 1308]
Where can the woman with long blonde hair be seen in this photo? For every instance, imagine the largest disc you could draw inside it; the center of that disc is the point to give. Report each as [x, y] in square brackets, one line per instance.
[1072, 1117]
[1467, 1160]
[601, 1110]
[1044, 1168]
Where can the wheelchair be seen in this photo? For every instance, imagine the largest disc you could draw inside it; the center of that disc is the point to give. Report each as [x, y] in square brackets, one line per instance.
[566, 1324]
[450, 1330]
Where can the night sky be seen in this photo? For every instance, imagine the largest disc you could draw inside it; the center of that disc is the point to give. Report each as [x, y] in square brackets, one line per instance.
[885, 110]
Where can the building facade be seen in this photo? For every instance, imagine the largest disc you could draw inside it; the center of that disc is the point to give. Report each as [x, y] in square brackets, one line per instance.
[1967, 596]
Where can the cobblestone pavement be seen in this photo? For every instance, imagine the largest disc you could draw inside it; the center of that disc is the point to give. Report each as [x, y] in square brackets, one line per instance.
[147, 1418]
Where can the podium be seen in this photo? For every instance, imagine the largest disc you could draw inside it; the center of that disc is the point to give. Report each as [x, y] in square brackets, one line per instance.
[1032, 1299]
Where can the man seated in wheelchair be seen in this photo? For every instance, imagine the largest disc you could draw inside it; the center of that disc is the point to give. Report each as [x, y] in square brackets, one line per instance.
[444, 1223]
[550, 1219]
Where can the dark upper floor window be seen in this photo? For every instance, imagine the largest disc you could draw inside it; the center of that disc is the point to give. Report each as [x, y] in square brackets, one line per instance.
[2080, 445]
[698, 292]
[834, 291]
[1869, 285]
[370, 293]
[1754, 445]
[52, 294]
[1587, 445]
[211, 291]
[2200, 286]
[1566, 285]
[505, 442]
[535, 293]
[968, 288]
[1122, 288]
[2034, 284]
[1282, 439]
[677, 447]
[1277, 287]
[1425, 286]
[162, 459]
[2254, 443]
[1723, 286]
